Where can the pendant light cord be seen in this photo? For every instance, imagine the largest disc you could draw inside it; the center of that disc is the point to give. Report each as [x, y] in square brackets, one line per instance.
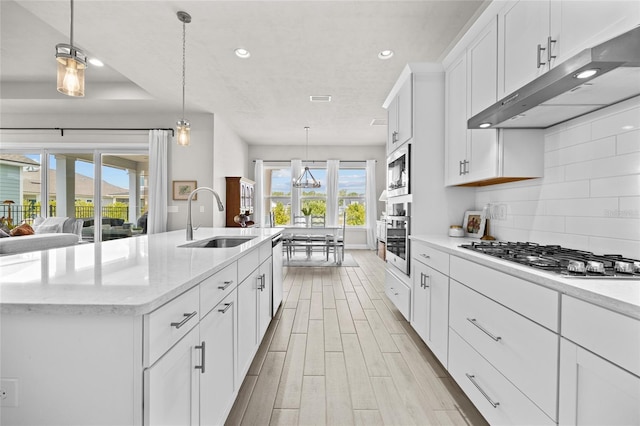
[71, 31]
[307, 150]
[184, 66]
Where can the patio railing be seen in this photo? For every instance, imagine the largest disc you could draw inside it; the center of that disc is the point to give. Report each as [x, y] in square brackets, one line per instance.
[19, 212]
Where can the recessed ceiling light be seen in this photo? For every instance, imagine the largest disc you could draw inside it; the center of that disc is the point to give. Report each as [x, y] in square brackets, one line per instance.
[96, 62]
[484, 125]
[320, 98]
[242, 53]
[587, 73]
[378, 122]
[385, 54]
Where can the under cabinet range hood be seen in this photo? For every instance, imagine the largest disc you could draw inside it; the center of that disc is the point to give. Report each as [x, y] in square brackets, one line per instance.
[568, 91]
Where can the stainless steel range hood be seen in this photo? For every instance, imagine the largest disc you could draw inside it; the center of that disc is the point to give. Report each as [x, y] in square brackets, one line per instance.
[559, 95]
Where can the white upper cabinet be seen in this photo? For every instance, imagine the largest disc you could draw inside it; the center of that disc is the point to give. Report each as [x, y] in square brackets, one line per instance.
[456, 132]
[524, 32]
[400, 117]
[535, 36]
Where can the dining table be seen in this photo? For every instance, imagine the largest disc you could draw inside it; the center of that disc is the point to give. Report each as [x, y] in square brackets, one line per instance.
[294, 236]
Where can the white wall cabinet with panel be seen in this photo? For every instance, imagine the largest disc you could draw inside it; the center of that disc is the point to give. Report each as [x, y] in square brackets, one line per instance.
[483, 157]
[535, 36]
[430, 318]
[400, 117]
[599, 366]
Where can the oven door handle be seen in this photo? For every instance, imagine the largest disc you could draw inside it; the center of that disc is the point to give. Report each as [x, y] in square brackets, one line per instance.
[405, 218]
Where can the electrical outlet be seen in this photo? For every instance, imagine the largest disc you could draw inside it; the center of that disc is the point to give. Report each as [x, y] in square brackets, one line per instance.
[502, 212]
[201, 209]
[9, 392]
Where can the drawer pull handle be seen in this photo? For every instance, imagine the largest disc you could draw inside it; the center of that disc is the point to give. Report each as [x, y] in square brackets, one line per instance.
[226, 307]
[201, 366]
[472, 378]
[426, 256]
[484, 330]
[423, 280]
[187, 317]
[226, 285]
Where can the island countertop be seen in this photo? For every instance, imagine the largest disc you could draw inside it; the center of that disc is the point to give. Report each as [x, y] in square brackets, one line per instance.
[621, 296]
[129, 276]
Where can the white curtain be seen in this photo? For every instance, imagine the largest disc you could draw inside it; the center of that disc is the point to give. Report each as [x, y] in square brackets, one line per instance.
[296, 171]
[158, 181]
[372, 203]
[259, 212]
[333, 166]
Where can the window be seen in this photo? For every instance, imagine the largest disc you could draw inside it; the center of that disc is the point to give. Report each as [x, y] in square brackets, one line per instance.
[277, 189]
[315, 198]
[351, 195]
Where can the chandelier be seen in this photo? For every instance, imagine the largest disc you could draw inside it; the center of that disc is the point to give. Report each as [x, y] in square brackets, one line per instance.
[303, 181]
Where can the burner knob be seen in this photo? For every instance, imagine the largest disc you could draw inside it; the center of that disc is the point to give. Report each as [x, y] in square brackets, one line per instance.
[624, 267]
[576, 266]
[597, 267]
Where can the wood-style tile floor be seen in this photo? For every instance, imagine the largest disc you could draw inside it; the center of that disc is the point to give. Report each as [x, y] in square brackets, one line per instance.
[339, 353]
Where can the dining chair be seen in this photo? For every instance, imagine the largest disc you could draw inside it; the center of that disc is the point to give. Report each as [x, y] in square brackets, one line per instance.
[317, 220]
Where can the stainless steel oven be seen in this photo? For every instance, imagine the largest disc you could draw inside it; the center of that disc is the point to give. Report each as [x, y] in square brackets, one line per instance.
[398, 231]
[398, 164]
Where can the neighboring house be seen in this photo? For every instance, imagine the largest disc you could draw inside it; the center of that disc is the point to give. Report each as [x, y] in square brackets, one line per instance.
[11, 165]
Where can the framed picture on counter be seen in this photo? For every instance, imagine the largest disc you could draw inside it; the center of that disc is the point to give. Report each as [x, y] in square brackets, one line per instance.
[473, 224]
[182, 189]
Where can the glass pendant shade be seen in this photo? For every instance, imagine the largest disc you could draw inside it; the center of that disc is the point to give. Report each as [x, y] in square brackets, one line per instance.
[71, 65]
[183, 129]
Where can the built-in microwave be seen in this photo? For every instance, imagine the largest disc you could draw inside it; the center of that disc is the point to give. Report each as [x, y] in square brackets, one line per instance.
[398, 231]
[398, 172]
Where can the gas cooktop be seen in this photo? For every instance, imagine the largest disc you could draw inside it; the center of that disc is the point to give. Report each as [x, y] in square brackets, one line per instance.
[562, 261]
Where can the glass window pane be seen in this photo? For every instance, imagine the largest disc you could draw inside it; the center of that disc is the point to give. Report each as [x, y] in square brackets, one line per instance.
[277, 181]
[19, 188]
[351, 195]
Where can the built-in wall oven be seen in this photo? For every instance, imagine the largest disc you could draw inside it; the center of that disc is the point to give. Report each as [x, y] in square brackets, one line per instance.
[398, 231]
[398, 172]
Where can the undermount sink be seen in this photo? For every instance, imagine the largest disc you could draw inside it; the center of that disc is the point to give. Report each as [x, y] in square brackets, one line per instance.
[218, 242]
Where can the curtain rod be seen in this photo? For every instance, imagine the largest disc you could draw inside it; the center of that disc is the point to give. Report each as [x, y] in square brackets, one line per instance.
[314, 161]
[62, 129]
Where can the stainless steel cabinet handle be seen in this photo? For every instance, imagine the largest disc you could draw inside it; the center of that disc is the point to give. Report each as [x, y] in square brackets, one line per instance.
[226, 307]
[226, 285]
[460, 169]
[423, 280]
[484, 330]
[394, 136]
[426, 256]
[472, 378]
[550, 41]
[201, 366]
[184, 321]
[539, 57]
[262, 279]
[466, 167]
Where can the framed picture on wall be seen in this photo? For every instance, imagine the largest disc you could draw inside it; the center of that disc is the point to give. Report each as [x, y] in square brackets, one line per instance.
[473, 224]
[182, 189]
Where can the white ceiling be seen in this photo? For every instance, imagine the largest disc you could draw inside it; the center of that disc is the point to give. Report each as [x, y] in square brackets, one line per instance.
[298, 49]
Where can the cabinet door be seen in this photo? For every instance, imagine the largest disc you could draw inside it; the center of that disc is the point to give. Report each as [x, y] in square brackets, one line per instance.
[522, 26]
[217, 382]
[456, 120]
[171, 385]
[405, 112]
[264, 298]
[594, 391]
[392, 125]
[247, 323]
[431, 309]
[482, 57]
[577, 25]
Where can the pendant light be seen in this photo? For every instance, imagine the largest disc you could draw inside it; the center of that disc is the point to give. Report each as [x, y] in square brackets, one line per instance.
[183, 127]
[303, 181]
[71, 65]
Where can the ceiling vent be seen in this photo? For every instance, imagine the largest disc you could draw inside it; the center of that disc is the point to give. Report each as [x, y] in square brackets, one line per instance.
[320, 98]
[378, 122]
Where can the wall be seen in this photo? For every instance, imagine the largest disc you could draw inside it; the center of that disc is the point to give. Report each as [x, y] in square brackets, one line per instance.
[355, 238]
[200, 161]
[589, 197]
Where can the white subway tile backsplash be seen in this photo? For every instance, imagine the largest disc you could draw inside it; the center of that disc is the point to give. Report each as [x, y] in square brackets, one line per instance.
[589, 197]
[616, 123]
[619, 186]
[610, 166]
[629, 142]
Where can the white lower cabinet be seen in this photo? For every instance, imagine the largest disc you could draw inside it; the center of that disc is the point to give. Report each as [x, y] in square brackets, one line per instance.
[430, 317]
[171, 384]
[247, 323]
[217, 381]
[398, 291]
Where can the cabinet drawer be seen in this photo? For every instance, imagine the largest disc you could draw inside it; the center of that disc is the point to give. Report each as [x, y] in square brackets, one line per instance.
[247, 264]
[512, 407]
[399, 293]
[430, 256]
[609, 334]
[524, 352]
[265, 251]
[531, 300]
[167, 324]
[216, 287]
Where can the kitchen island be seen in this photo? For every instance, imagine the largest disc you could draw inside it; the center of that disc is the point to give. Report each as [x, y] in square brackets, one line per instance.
[115, 332]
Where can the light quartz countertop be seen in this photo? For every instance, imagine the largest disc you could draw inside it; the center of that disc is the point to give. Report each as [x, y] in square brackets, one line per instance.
[128, 276]
[621, 296]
